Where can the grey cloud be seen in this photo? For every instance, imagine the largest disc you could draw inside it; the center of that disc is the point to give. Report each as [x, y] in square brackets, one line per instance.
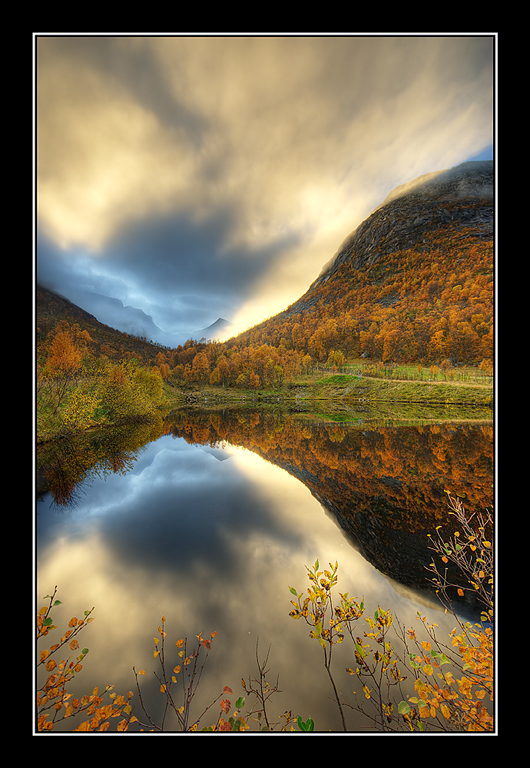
[169, 252]
[179, 273]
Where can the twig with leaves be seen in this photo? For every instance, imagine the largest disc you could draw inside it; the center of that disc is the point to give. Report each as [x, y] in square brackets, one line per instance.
[188, 672]
[54, 702]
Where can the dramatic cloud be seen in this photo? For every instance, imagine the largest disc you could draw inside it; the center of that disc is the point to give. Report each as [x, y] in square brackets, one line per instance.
[192, 177]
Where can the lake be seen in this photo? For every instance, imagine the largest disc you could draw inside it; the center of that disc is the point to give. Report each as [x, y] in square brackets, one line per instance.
[208, 517]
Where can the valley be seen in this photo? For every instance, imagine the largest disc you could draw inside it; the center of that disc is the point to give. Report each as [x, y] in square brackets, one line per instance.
[403, 313]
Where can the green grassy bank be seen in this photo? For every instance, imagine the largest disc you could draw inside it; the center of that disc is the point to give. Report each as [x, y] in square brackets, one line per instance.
[357, 388]
[342, 389]
[321, 393]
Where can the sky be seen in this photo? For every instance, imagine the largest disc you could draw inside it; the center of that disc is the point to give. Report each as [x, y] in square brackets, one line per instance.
[179, 179]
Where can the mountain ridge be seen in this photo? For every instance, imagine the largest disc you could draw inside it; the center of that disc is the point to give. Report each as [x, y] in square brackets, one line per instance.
[218, 326]
[51, 308]
[444, 197]
[440, 194]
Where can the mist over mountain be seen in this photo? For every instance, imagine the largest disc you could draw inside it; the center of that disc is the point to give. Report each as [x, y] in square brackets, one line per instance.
[425, 204]
[213, 331]
[134, 321]
[114, 313]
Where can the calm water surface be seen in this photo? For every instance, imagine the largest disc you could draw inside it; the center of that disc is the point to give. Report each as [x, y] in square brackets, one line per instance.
[208, 518]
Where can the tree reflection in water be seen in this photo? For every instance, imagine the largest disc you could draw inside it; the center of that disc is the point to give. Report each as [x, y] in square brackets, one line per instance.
[173, 532]
[383, 483]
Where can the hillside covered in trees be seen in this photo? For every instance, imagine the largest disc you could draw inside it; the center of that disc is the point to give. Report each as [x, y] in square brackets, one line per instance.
[414, 283]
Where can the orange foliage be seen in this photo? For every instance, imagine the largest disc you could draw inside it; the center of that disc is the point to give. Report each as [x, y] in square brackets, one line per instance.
[427, 304]
[54, 702]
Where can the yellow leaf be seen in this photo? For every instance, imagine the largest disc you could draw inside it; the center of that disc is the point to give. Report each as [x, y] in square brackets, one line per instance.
[162, 688]
[179, 643]
[445, 711]
[157, 640]
[141, 672]
[486, 544]
[44, 655]
[366, 691]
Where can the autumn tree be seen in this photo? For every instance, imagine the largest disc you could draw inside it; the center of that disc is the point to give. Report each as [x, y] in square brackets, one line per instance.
[200, 368]
[128, 391]
[62, 365]
[336, 358]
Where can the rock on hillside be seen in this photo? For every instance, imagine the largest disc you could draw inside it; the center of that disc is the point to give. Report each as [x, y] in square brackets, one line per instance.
[460, 196]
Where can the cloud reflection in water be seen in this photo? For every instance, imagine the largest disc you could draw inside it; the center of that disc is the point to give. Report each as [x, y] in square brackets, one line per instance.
[212, 545]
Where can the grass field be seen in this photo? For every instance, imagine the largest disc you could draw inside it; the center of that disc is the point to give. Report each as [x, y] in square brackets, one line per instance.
[415, 372]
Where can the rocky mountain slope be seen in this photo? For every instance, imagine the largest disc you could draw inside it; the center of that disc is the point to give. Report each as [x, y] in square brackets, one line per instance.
[458, 198]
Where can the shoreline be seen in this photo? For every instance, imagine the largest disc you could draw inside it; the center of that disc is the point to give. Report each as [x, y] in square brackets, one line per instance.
[338, 395]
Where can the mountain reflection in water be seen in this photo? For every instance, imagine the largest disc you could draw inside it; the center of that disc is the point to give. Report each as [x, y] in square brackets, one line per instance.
[134, 519]
[385, 485]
